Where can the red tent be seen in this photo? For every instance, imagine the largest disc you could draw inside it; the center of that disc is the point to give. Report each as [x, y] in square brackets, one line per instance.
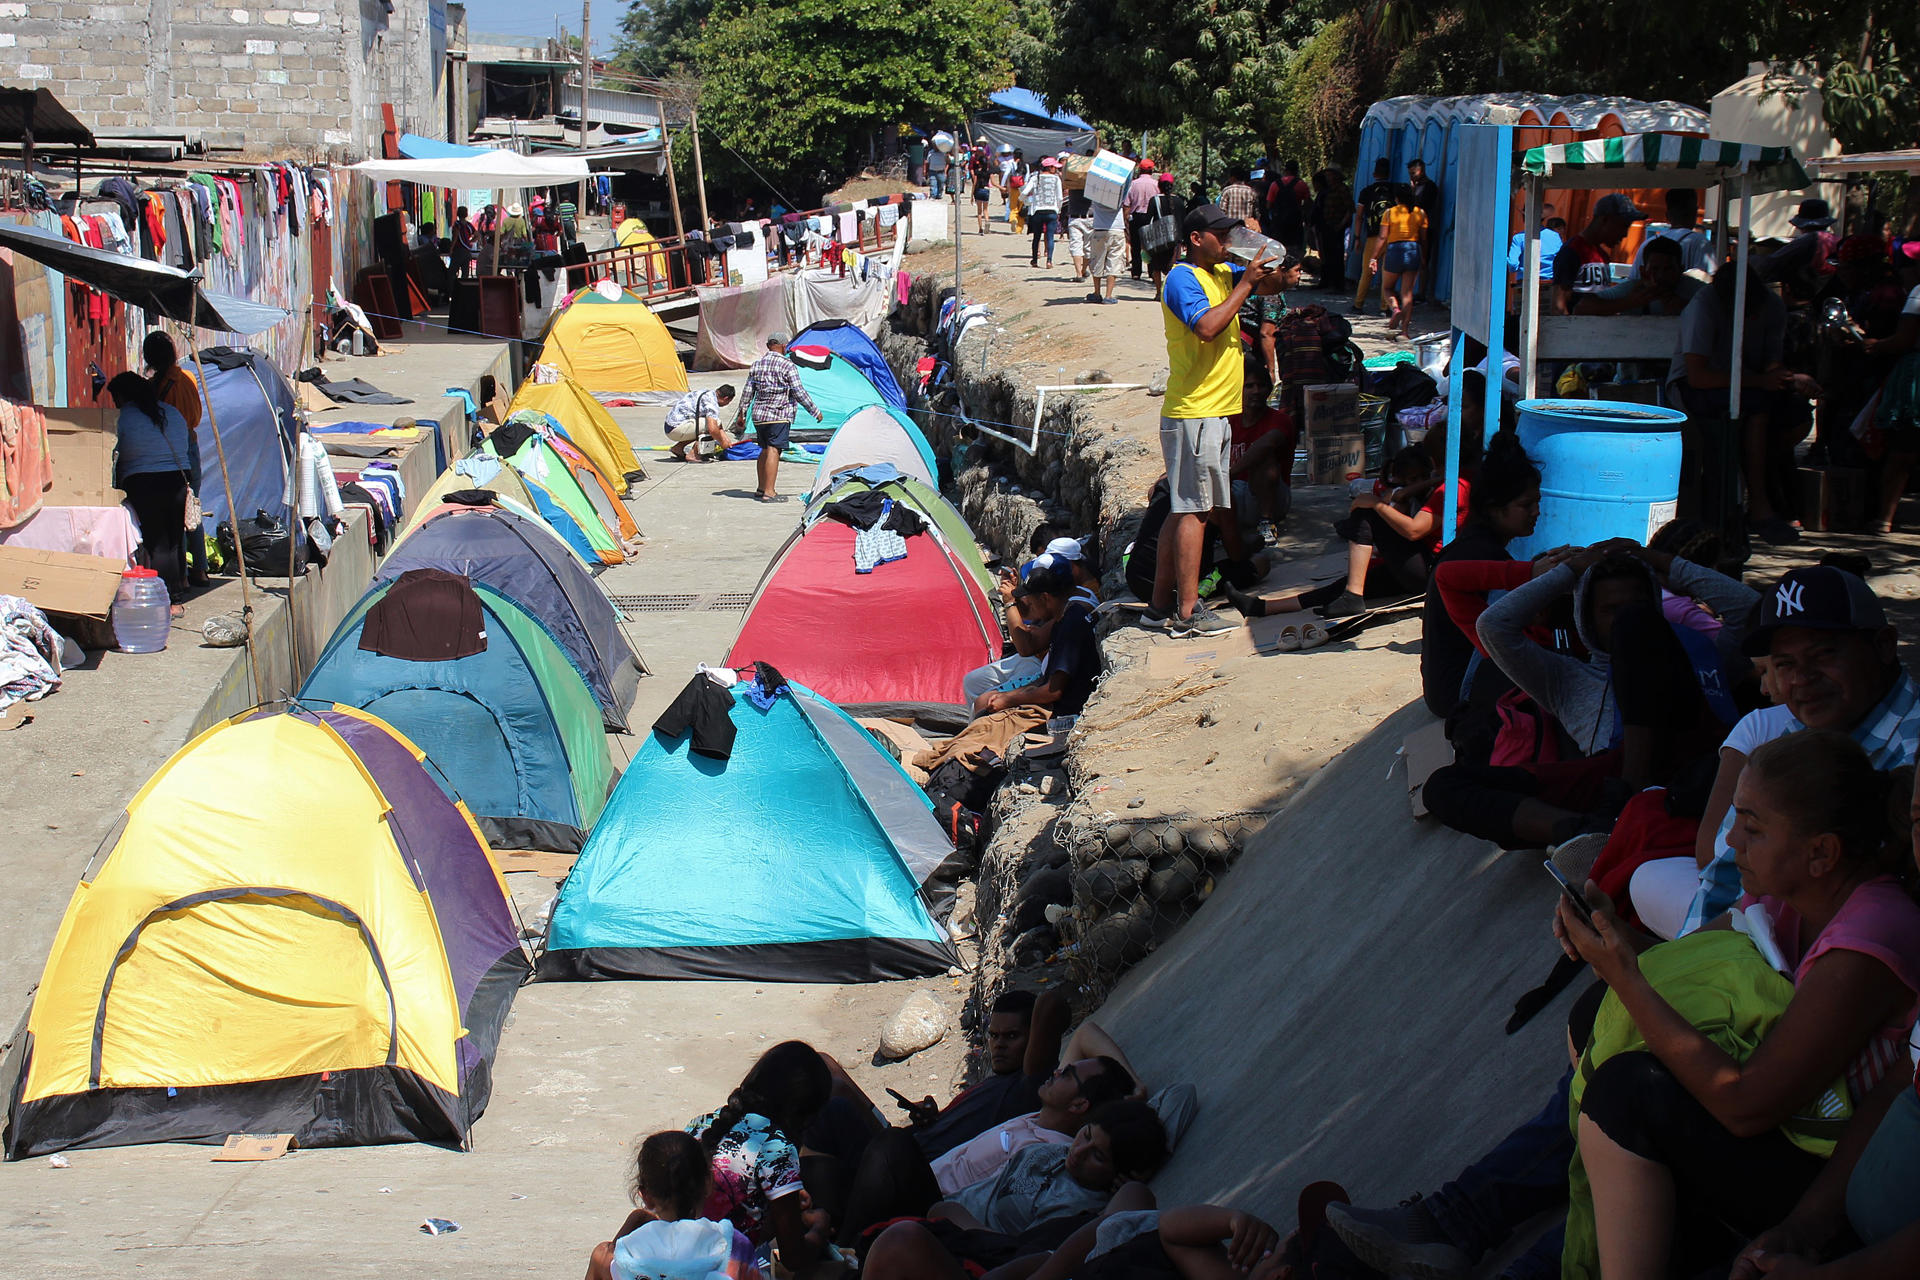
[904, 634]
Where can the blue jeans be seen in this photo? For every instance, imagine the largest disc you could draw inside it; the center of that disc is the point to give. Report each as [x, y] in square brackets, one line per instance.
[1524, 1175]
[937, 184]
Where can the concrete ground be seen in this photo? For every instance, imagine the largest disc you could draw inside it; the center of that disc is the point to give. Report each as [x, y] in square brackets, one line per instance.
[583, 1071]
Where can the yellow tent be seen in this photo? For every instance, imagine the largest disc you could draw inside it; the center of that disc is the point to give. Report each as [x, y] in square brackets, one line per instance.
[650, 260]
[613, 347]
[586, 422]
[296, 931]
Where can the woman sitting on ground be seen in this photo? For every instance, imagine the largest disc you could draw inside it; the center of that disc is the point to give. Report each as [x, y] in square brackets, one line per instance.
[667, 1238]
[1645, 704]
[1504, 504]
[1682, 1139]
[1399, 529]
[753, 1144]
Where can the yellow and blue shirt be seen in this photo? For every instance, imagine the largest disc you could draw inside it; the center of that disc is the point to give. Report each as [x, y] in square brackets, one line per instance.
[1203, 378]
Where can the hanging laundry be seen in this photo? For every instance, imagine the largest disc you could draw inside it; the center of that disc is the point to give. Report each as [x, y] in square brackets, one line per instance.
[705, 708]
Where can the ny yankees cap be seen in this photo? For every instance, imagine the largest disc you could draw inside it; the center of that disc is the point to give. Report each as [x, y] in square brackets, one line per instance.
[1820, 598]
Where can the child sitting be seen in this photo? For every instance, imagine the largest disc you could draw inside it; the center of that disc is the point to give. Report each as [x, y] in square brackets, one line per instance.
[667, 1239]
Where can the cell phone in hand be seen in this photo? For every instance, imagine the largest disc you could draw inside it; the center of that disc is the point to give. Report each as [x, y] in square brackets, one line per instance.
[1573, 895]
[903, 1100]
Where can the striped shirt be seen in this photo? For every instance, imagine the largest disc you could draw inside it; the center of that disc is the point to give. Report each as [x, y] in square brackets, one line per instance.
[1890, 734]
[772, 387]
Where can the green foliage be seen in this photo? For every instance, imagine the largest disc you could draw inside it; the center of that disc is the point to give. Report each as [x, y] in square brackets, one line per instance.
[661, 38]
[798, 86]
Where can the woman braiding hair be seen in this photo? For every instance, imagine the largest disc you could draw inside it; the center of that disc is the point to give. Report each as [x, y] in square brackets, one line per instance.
[754, 1144]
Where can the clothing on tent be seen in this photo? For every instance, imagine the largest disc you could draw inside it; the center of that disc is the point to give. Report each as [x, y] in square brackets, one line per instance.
[875, 546]
[704, 707]
[429, 616]
[765, 685]
[479, 467]
[869, 509]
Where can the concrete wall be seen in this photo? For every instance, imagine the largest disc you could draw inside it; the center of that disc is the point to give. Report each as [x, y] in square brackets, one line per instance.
[305, 81]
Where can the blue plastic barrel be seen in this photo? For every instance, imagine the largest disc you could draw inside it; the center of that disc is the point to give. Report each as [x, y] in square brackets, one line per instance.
[1608, 469]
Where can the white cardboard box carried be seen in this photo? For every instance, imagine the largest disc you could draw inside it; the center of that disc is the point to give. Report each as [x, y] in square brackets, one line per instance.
[1107, 179]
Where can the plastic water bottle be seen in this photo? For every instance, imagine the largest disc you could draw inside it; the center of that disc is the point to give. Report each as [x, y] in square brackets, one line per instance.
[142, 613]
[1246, 244]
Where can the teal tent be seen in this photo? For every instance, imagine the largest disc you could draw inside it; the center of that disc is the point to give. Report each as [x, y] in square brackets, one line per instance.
[805, 856]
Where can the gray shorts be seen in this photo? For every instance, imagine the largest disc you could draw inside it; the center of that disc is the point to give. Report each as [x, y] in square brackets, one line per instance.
[1195, 451]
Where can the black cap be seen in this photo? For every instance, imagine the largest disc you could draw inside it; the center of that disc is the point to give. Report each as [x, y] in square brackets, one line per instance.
[1820, 598]
[1207, 217]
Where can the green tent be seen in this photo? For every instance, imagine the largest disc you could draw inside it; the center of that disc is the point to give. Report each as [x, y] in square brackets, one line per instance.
[838, 388]
[549, 478]
[947, 522]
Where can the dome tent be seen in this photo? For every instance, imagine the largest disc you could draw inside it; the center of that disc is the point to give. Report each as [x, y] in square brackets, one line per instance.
[486, 692]
[331, 957]
[705, 868]
[851, 343]
[524, 562]
[611, 343]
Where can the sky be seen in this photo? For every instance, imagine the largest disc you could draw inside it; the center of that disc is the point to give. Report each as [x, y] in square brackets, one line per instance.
[536, 19]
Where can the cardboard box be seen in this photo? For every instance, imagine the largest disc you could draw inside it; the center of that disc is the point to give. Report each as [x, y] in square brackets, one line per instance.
[60, 582]
[1107, 178]
[1330, 408]
[1336, 459]
[82, 441]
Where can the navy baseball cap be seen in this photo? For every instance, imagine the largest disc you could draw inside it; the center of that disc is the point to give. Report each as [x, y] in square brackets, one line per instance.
[1819, 597]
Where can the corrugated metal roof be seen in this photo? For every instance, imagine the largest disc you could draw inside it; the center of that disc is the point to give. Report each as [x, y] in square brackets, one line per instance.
[38, 109]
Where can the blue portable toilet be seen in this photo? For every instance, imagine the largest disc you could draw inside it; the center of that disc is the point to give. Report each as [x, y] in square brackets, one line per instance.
[1607, 470]
[803, 856]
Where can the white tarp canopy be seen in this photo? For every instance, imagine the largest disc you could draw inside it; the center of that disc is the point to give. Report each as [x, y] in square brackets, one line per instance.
[506, 169]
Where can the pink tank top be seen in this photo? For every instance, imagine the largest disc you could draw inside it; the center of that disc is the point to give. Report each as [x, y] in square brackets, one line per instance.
[1877, 920]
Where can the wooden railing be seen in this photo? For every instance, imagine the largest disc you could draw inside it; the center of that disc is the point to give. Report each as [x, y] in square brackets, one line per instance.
[663, 270]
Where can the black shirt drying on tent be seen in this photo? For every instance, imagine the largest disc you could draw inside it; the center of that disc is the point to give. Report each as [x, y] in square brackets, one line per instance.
[427, 615]
[1074, 653]
[868, 507]
[706, 708]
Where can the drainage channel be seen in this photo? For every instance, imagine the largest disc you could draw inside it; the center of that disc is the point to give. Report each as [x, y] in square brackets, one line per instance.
[631, 607]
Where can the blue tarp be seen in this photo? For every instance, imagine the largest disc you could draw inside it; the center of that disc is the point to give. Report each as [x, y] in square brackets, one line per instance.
[415, 147]
[1027, 102]
[801, 857]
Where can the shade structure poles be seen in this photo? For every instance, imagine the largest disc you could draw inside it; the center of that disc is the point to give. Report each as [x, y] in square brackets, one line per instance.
[233, 516]
[1740, 299]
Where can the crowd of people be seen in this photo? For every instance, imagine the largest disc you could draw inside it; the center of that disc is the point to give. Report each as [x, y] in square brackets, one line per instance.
[1038, 1170]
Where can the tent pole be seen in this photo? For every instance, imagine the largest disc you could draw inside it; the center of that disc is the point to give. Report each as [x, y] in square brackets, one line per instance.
[233, 518]
[699, 173]
[1530, 296]
[1740, 301]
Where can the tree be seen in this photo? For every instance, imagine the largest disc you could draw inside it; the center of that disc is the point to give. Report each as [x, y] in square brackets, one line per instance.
[661, 37]
[1146, 64]
[797, 87]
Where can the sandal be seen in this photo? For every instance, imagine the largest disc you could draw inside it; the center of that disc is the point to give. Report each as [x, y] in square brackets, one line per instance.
[1288, 638]
[1312, 635]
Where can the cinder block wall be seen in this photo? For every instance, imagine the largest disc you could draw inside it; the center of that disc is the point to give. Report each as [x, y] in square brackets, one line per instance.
[297, 81]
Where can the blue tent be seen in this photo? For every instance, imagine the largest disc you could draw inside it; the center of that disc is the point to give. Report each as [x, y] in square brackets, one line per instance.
[512, 730]
[805, 856]
[524, 562]
[255, 408]
[851, 343]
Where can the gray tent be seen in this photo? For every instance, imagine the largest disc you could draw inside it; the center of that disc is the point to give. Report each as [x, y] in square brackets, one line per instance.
[525, 563]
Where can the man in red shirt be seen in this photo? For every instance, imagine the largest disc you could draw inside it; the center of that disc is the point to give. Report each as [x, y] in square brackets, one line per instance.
[1582, 265]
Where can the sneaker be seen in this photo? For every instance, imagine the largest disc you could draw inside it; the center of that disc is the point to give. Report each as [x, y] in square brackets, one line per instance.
[1154, 620]
[1201, 622]
[1094, 296]
[1575, 857]
[1776, 532]
[1400, 1242]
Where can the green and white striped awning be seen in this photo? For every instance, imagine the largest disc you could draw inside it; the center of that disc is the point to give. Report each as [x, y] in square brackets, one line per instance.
[1663, 158]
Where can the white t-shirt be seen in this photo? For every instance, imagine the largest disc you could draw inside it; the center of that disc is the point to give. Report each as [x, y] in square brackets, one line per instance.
[1758, 728]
